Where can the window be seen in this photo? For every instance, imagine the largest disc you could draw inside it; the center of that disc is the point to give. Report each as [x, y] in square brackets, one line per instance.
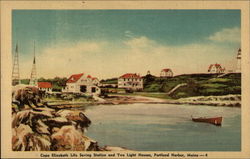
[93, 89]
[83, 88]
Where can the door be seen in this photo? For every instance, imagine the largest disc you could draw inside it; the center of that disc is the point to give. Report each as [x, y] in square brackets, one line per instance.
[93, 90]
[83, 88]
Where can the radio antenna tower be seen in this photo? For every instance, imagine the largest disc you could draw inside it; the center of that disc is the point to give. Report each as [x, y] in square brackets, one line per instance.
[33, 78]
[15, 69]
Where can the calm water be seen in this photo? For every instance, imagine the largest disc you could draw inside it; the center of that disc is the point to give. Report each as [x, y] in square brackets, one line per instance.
[164, 127]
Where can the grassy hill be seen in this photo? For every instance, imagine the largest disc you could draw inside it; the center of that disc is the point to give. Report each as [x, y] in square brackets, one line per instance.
[197, 84]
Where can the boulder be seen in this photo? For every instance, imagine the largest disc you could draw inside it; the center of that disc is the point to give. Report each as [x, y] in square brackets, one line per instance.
[70, 139]
[26, 95]
[77, 117]
[24, 139]
[45, 130]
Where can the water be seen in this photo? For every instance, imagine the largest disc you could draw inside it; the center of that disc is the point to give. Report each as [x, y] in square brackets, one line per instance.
[164, 127]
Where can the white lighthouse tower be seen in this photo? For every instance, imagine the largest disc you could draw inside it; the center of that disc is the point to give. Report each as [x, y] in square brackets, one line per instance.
[238, 69]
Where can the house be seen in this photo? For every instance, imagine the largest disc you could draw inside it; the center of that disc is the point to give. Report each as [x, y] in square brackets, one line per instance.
[166, 73]
[131, 81]
[82, 83]
[45, 86]
[216, 68]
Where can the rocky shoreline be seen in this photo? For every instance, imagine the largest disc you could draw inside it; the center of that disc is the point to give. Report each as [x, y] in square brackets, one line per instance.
[39, 125]
[226, 100]
[45, 129]
[62, 128]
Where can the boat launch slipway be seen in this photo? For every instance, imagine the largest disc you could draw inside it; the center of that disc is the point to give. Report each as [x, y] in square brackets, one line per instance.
[215, 120]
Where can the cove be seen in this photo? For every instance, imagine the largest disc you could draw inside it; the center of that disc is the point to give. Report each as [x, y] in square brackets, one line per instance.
[164, 127]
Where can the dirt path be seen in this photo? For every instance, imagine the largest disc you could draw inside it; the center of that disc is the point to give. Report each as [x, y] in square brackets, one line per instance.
[120, 99]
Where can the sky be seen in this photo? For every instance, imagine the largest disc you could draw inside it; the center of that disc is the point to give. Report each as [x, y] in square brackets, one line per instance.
[109, 43]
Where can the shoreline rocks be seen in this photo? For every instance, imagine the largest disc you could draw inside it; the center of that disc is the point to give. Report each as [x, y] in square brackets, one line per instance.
[226, 100]
[46, 129]
[50, 130]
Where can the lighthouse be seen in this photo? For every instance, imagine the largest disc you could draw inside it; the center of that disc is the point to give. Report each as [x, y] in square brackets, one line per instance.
[238, 69]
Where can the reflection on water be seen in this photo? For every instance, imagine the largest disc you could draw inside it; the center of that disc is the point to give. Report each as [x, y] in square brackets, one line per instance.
[165, 127]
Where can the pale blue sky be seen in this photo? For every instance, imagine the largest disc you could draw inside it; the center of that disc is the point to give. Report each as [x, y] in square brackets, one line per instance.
[105, 36]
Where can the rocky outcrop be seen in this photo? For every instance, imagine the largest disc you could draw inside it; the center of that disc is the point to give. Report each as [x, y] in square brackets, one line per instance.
[113, 148]
[68, 138]
[226, 100]
[25, 139]
[45, 129]
[26, 95]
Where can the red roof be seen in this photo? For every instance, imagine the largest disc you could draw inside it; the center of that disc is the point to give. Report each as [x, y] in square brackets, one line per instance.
[216, 65]
[74, 78]
[130, 75]
[89, 76]
[44, 85]
[166, 70]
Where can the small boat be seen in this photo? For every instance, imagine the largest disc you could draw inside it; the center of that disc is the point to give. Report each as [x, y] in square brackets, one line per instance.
[216, 120]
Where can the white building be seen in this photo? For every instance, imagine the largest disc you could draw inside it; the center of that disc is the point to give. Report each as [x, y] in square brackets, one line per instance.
[45, 86]
[130, 81]
[238, 57]
[166, 73]
[80, 83]
[216, 68]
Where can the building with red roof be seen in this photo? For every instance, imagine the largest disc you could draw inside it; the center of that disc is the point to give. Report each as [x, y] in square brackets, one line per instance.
[216, 68]
[130, 81]
[82, 83]
[166, 72]
[74, 78]
[45, 86]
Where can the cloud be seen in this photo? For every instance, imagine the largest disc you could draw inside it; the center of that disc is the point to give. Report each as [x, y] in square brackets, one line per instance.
[63, 59]
[139, 42]
[135, 55]
[226, 35]
[129, 34]
[146, 54]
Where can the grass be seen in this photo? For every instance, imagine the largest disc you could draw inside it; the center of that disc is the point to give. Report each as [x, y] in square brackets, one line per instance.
[197, 85]
[213, 85]
[219, 80]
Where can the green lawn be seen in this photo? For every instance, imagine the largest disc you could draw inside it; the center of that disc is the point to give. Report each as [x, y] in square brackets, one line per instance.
[197, 85]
